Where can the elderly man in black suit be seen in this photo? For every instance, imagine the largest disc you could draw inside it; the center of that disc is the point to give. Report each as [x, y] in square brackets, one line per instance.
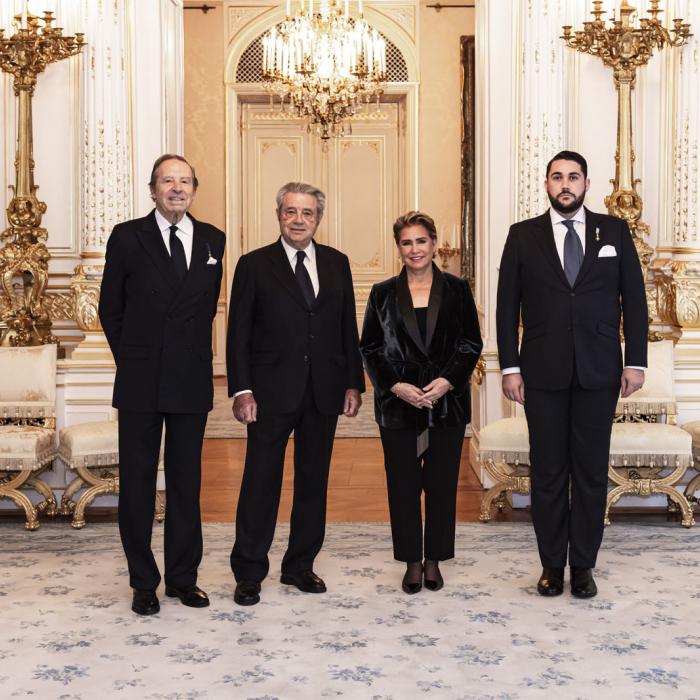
[293, 365]
[157, 303]
[570, 274]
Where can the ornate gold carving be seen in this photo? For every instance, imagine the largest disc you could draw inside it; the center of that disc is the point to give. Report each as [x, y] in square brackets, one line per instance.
[479, 371]
[86, 296]
[25, 257]
[57, 305]
[97, 480]
[675, 294]
[446, 252]
[509, 478]
[646, 481]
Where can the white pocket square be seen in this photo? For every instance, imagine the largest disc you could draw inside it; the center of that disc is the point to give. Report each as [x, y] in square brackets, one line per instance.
[212, 261]
[607, 251]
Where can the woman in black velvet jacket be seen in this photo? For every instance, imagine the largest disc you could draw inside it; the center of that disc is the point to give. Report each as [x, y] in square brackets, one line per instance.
[420, 343]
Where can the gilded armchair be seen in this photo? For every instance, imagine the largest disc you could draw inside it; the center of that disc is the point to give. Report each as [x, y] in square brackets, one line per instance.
[27, 426]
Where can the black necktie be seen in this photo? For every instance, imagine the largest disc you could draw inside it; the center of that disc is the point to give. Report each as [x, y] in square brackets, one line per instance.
[307, 289]
[573, 252]
[177, 254]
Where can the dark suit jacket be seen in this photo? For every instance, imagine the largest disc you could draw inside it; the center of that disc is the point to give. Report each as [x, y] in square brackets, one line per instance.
[159, 330]
[275, 340]
[394, 351]
[563, 325]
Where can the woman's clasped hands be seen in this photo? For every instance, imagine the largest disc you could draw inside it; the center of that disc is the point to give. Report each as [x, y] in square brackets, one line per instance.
[426, 397]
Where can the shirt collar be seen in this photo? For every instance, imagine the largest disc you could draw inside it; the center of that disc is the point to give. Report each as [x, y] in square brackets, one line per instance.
[185, 224]
[579, 217]
[291, 252]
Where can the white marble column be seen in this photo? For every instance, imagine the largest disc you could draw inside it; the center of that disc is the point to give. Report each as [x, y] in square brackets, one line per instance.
[106, 192]
[679, 247]
[132, 113]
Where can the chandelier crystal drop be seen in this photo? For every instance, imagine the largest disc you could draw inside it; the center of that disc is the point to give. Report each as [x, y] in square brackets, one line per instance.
[324, 64]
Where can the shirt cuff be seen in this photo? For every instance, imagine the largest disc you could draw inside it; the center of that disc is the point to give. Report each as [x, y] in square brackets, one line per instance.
[510, 370]
[643, 369]
[244, 391]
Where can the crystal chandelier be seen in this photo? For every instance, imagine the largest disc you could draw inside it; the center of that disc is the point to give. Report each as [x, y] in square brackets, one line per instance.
[324, 64]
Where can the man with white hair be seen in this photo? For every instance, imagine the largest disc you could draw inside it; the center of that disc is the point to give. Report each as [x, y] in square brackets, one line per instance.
[293, 365]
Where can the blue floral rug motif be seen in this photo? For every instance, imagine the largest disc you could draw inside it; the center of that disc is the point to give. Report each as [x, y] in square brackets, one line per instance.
[66, 630]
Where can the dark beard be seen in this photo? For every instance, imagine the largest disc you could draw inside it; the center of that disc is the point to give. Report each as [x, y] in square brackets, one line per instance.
[566, 208]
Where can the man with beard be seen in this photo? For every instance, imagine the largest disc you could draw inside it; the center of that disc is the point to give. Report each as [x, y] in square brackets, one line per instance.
[570, 274]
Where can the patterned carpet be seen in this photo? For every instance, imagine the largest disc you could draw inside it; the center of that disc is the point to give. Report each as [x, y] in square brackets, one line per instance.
[67, 631]
[221, 424]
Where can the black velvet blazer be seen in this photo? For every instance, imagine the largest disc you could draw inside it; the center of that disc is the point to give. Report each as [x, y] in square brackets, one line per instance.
[394, 351]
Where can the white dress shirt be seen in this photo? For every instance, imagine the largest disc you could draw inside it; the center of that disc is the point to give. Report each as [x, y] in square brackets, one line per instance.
[185, 232]
[560, 230]
[309, 261]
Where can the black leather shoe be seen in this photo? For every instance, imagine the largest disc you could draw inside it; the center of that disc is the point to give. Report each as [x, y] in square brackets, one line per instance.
[436, 583]
[551, 582]
[409, 585]
[145, 602]
[192, 596]
[305, 581]
[582, 583]
[247, 593]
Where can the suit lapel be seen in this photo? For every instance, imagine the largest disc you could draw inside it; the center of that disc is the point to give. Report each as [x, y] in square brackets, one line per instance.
[325, 276]
[434, 304]
[200, 254]
[282, 270]
[408, 315]
[592, 246]
[545, 238]
[151, 239]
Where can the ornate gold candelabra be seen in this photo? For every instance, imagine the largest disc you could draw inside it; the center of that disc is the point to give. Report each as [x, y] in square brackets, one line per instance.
[25, 257]
[625, 48]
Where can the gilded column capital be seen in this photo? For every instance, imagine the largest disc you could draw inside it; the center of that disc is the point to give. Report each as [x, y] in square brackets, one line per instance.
[85, 284]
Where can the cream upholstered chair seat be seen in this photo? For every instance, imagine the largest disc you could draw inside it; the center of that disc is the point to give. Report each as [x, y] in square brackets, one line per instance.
[649, 454]
[27, 426]
[90, 444]
[650, 444]
[693, 429]
[504, 450]
[26, 447]
[92, 450]
[505, 440]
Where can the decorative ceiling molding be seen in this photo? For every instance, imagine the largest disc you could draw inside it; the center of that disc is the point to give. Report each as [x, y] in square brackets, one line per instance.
[402, 15]
[239, 16]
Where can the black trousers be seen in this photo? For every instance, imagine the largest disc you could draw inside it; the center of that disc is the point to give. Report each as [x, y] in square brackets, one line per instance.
[259, 497]
[435, 472]
[139, 446]
[569, 446]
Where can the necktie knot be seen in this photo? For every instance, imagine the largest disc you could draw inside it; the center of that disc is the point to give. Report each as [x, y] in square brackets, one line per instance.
[569, 225]
[300, 256]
